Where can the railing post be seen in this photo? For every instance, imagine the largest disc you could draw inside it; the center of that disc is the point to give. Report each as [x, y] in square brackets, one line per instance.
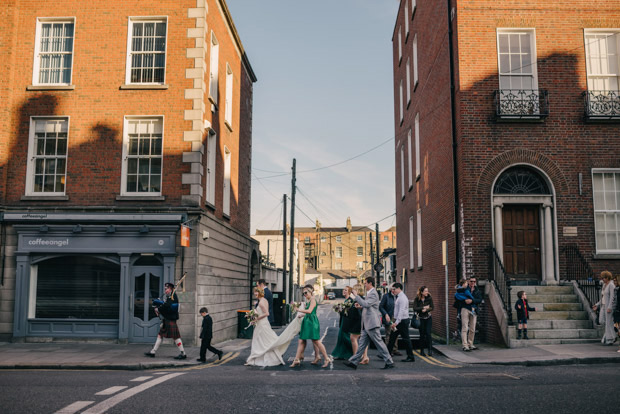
[508, 301]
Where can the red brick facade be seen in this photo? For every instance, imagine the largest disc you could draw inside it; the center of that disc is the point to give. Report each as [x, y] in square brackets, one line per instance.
[563, 147]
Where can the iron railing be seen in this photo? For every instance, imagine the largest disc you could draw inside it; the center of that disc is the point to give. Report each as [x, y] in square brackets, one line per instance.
[602, 105]
[579, 270]
[497, 273]
[521, 103]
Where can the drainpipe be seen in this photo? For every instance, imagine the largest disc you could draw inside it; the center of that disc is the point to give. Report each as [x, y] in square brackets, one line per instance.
[454, 144]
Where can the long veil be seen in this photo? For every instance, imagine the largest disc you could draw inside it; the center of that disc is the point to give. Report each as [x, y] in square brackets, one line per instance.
[265, 356]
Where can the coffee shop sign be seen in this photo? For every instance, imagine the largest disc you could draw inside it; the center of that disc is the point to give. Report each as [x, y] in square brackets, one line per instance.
[43, 242]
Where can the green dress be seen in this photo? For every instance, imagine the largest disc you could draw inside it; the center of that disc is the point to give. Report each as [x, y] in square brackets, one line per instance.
[310, 328]
[343, 349]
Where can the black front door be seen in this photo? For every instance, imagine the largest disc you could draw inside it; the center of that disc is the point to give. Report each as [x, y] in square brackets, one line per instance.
[147, 285]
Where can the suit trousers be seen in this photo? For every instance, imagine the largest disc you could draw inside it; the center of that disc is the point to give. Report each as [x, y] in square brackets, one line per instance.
[402, 329]
[468, 327]
[206, 344]
[373, 335]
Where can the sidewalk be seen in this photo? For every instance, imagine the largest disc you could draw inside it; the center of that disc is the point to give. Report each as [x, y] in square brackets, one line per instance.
[66, 355]
[565, 354]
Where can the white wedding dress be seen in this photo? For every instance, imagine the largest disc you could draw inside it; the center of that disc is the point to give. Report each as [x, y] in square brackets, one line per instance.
[267, 346]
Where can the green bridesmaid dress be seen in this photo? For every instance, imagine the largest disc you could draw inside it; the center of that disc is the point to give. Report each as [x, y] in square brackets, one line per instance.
[343, 349]
[310, 328]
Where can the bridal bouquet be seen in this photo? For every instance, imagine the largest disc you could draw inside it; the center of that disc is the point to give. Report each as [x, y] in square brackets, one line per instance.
[338, 307]
[252, 318]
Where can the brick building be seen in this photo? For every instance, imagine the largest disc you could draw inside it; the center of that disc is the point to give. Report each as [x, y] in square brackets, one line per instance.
[121, 121]
[522, 161]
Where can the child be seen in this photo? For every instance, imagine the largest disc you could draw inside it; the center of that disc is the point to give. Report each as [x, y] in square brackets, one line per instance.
[523, 310]
[206, 334]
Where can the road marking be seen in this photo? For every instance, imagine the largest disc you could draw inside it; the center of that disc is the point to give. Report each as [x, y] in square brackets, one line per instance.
[408, 377]
[105, 405]
[433, 361]
[74, 408]
[497, 375]
[225, 359]
[112, 390]
[141, 379]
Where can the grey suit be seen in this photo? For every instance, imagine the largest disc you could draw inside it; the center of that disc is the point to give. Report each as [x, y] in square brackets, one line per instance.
[371, 322]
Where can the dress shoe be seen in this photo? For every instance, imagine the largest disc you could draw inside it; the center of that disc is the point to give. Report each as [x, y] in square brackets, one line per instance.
[201, 360]
[422, 352]
[388, 366]
[150, 354]
[430, 351]
[180, 356]
[219, 355]
[409, 359]
[350, 364]
[396, 353]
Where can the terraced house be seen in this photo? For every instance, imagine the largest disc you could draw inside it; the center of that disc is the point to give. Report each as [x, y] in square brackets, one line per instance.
[507, 118]
[121, 121]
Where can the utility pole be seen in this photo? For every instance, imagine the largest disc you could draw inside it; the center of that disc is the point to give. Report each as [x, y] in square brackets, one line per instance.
[293, 188]
[284, 290]
[377, 270]
[372, 256]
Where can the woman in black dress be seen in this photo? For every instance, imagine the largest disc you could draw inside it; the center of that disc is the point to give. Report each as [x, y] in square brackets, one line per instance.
[352, 322]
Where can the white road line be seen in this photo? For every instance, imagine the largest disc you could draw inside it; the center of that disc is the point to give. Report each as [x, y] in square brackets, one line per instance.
[74, 408]
[112, 390]
[141, 379]
[105, 405]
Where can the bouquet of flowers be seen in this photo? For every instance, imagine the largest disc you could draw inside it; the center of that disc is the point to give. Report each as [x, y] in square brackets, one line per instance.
[338, 307]
[252, 318]
[295, 306]
[346, 306]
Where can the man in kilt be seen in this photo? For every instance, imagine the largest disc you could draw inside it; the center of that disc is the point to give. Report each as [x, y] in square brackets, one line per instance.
[169, 310]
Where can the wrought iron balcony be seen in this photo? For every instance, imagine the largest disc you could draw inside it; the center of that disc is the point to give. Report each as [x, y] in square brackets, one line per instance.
[521, 104]
[602, 105]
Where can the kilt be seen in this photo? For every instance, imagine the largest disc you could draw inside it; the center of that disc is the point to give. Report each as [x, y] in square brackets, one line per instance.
[169, 329]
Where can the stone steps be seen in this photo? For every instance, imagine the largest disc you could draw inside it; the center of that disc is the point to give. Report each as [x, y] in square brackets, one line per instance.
[560, 317]
[514, 343]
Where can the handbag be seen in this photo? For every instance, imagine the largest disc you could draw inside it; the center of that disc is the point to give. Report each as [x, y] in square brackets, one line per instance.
[415, 321]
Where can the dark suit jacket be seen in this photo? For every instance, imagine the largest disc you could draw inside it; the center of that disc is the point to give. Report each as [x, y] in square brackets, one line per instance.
[269, 297]
[207, 328]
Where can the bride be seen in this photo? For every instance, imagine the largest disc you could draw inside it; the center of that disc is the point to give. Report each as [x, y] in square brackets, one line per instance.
[267, 346]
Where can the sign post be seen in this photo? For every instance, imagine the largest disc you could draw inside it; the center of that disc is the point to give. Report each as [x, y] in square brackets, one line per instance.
[444, 261]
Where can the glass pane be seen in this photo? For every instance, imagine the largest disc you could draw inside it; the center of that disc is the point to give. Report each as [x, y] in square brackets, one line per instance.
[143, 166]
[38, 183]
[40, 144]
[160, 44]
[135, 75]
[77, 288]
[513, 46]
[136, 44]
[597, 182]
[504, 63]
[61, 147]
[156, 183]
[143, 183]
[149, 29]
[50, 166]
[153, 294]
[525, 44]
[137, 29]
[515, 64]
[156, 166]
[60, 183]
[612, 241]
[133, 146]
[136, 61]
[161, 29]
[60, 166]
[139, 296]
[38, 166]
[144, 146]
[68, 29]
[68, 46]
[132, 165]
[503, 43]
[158, 75]
[132, 183]
[147, 75]
[156, 145]
[601, 241]
[600, 221]
[48, 184]
[160, 60]
[50, 146]
[148, 44]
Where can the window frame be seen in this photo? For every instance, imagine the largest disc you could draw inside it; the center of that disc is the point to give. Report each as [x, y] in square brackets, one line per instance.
[408, 78]
[534, 56]
[607, 31]
[360, 238]
[409, 158]
[406, 20]
[210, 168]
[415, 62]
[402, 171]
[125, 155]
[419, 237]
[411, 244]
[400, 103]
[213, 68]
[128, 65]
[616, 212]
[338, 252]
[339, 239]
[31, 164]
[400, 45]
[228, 105]
[36, 67]
[359, 251]
[417, 146]
[226, 190]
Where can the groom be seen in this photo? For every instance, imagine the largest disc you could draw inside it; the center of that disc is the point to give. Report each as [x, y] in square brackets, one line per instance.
[371, 322]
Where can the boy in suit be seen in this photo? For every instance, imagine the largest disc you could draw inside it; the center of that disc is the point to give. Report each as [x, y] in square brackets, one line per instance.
[206, 334]
[523, 310]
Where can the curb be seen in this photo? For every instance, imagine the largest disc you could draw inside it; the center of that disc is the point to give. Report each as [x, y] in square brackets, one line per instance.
[130, 367]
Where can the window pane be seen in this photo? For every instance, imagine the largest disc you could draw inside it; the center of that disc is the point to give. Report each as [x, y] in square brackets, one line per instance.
[160, 44]
[156, 183]
[143, 183]
[48, 184]
[60, 166]
[158, 75]
[38, 166]
[132, 166]
[144, 146]
[156, 166]
[132, 183]
[60, 183]
[161, 29]
[601, 241]
[133, 146]
[137, 29]
[503, 43]
[143, 166]
[77, 288]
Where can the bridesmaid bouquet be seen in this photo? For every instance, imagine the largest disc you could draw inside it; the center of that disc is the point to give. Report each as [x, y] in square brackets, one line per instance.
[252, 318]
[338, 307]
[346, 306]
[295, 306]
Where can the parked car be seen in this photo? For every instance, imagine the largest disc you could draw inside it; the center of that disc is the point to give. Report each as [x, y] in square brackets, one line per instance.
[331, 295]
[414, 334]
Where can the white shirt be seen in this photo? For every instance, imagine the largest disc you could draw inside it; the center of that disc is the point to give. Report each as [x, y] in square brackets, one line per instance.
[401, 307]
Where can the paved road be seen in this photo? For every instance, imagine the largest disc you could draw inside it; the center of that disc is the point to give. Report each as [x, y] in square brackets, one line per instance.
[427, 386]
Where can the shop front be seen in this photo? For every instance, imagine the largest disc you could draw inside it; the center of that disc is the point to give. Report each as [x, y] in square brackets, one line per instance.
[91, 276]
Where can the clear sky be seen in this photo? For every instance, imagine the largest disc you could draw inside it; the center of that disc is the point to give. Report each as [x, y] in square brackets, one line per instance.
[324, 95]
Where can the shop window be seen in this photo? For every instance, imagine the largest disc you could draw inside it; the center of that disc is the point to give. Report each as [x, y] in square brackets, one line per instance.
[75, 287]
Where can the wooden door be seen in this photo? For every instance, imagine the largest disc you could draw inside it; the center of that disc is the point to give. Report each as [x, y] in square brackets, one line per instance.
[521, 230]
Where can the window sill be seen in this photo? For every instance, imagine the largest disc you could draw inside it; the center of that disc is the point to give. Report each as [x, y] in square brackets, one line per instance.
[50, 87]
[44, 198]
[419, 267]
[408, 103]
[228, 126]
[417, 177]
[226, 216]
[413, 11]
[140, 198]
[415, 85]
[410, 188]
[141, 87]
[209, 206]
[605, 256]
[212, 100]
